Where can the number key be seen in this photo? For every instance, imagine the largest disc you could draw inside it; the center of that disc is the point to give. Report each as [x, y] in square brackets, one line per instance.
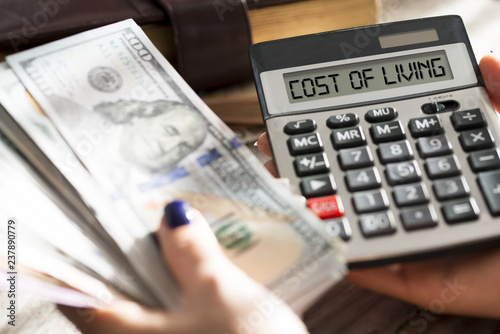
[370, 201]
[442, 167]
[433, 146]
[363, 179]
[451, 188]
[377, 224]
[395, 152]
[403, 172]
[410, 195]
[355, 158]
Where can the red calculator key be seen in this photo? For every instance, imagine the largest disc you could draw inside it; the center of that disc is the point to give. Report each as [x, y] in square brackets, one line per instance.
[326, 207]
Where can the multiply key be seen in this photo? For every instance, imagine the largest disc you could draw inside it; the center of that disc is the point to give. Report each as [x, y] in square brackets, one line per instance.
[476, 139]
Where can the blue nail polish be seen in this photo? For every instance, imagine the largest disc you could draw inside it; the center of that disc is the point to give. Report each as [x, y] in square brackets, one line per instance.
[176, 213]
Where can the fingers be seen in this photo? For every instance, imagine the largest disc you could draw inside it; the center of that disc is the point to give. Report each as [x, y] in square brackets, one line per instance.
[490, 69]
[263, 145]
[271, 167]
[121, 317]
[386, 280]
[415, 282]
[190, 248]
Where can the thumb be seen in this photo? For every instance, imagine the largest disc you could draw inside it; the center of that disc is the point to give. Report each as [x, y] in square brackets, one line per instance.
[189, 247]
[490, 69]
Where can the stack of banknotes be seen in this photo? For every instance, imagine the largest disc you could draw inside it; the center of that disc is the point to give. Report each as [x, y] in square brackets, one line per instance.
[97, 133]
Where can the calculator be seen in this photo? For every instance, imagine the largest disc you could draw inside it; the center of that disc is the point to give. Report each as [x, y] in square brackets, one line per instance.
[388, 132]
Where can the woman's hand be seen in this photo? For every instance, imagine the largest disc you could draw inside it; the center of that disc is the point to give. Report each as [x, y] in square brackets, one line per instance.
[467, 284]
[219, 297]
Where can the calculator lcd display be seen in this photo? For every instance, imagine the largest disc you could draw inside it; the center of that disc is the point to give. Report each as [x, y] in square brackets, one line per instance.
[368, 76]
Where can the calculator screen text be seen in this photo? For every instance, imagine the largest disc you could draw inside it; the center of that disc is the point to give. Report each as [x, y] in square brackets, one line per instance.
[367, 76]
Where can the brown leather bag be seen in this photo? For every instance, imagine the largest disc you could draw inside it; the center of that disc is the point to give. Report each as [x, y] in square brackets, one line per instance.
[211, 36]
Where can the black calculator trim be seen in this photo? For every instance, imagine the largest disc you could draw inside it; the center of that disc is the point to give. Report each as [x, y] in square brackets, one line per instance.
[327, 46]
[464, 248]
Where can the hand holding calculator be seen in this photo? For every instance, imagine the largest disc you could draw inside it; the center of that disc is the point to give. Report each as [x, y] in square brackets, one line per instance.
[388, 132]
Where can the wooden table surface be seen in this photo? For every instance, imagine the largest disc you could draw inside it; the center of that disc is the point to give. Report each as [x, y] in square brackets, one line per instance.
[347, 308]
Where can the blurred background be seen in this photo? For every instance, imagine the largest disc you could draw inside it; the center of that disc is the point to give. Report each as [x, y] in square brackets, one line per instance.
[481, 18]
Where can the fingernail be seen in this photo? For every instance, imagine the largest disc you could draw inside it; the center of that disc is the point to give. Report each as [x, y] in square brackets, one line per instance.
[176, 213]
[255, 144]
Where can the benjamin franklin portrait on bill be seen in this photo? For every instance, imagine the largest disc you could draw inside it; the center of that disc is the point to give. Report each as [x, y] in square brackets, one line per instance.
[155, 135]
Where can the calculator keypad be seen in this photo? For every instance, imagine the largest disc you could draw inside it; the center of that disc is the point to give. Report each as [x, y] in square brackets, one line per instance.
[394, 189]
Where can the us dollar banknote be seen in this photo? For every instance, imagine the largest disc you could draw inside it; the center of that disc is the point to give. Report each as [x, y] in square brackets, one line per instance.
[148, 139]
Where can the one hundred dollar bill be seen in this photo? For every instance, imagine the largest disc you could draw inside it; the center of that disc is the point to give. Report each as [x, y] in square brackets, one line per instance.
[147, 139]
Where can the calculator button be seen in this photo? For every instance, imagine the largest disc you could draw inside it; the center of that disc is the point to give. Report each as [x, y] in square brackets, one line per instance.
[419, 217]
[339, 228]
[451, 188]
[425, 126]
[302, 126]
[412, 194]
[316, 186]
[377, 224]
[476, 139]
[442, 106]
[403, 172]
[342, 121]
[370, 201]
[442, 167]
[390, 131]
[381, 115]
[303, 144]
[363, 179]
[490, 187]
[311, 164]
[326, 207]
[395, 152]
[350, 137]
[434, 146]
[355, 158]
[467, 119]
[484, 160]
[460, 211]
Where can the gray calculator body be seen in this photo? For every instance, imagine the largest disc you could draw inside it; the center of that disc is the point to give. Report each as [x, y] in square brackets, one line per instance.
[388, 132]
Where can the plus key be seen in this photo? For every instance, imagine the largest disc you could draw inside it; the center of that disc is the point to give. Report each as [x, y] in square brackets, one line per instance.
[490, 186]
